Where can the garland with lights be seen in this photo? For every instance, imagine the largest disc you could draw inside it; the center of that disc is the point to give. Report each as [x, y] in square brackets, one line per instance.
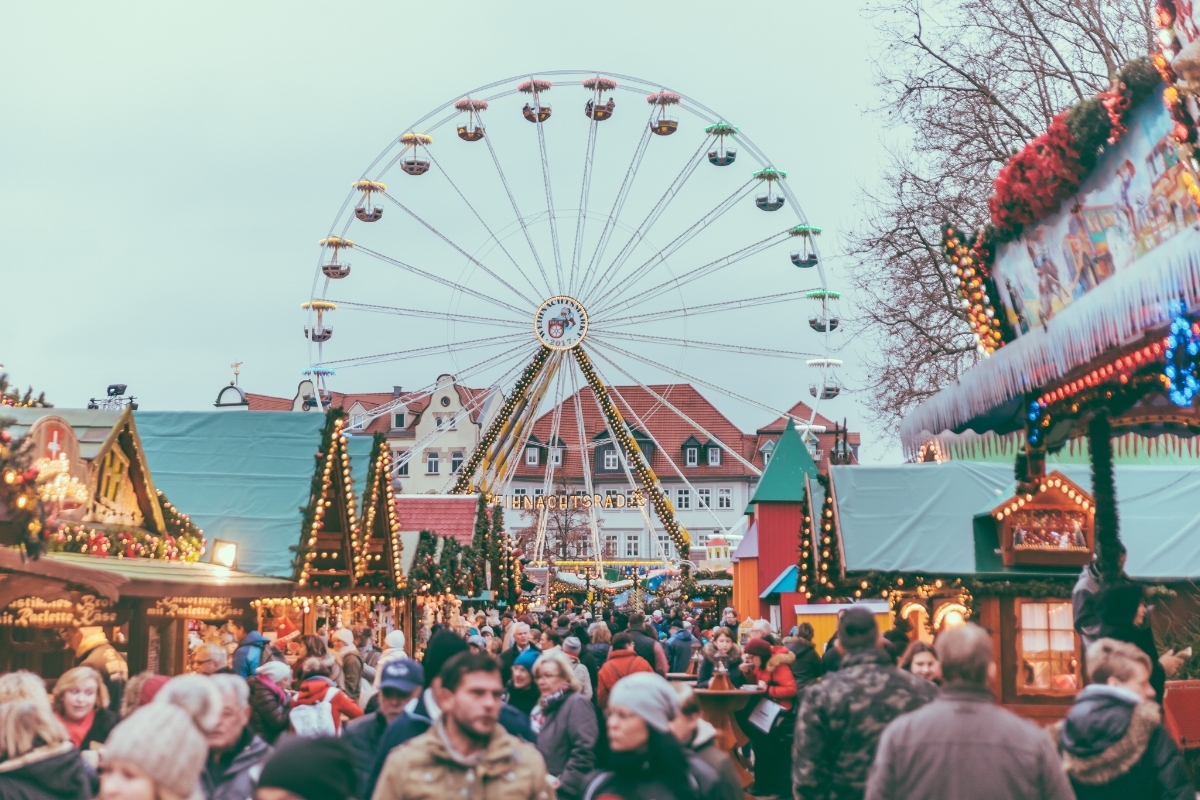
[424, 576]
[1184, 130]
[333, 463]
[21, 509]
[634, 456]
[828, 558]
[180, 526]
[454, 565]
[379, 493]
[1104, 491]
[1183, 346]
[118, 542]
[970, 256]
[806, 568]
[510, 565]
[466, 475]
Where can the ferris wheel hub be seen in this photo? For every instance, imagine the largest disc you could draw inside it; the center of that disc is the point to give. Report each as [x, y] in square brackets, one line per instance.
[560, 323]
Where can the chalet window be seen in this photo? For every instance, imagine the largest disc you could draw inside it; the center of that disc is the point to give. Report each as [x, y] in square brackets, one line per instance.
[431, 463]
[398, 420]
[691, 456]
[1047, 654]
[705, 498]
[724, 498]
[531, 456]
[456, 462]
[685, 499]
[714, 456]
[556, 456]
[767, 450]
[402, 466]
[632, 545]
[610, 459]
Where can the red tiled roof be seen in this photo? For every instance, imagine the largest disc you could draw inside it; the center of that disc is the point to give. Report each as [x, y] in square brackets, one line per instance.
[647, 414]
[444, 514]
[265, 402]
[801, 411]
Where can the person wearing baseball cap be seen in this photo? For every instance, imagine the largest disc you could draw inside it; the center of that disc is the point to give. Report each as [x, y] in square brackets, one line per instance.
[399, 681]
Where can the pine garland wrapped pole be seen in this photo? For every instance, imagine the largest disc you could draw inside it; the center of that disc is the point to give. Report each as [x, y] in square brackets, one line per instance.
[1104, 491]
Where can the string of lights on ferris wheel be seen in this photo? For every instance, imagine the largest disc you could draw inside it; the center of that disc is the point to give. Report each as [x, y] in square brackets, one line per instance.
[586, 299]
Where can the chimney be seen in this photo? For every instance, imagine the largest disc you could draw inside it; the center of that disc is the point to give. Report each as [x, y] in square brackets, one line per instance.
[396, 391]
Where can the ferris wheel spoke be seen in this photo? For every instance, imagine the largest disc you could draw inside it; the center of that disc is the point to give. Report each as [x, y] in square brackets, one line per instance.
[416, 312]
[626, 300]
[504, 457]
[643, 229]
[417, 352]
[707, 308]
[486, 227]
[614, 215]
[585, 468]
[700, 345]
[550, 205]
[699, 381]
[517, 212]
[461, 251]
[584, 195]
[443, 281]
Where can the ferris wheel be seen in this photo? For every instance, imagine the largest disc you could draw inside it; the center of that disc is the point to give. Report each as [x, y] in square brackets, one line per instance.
[545, 251]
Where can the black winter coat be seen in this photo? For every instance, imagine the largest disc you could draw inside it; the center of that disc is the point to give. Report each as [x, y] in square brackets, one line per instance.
[53, 772]
[268, 714]
[709, 652]
[807, 669]
[1115, 750]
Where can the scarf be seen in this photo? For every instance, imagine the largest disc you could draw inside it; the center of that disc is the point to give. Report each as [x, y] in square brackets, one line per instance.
[546, 706]
[78, 731]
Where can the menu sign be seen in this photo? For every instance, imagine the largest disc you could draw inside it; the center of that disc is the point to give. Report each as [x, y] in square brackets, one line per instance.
[194, 608]
[80, 611]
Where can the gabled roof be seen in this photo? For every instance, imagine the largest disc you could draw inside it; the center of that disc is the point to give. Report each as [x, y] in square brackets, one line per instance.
[444, 514]
[645, 413]
[748, 548]
[783, 479]
[92, 427]
[799, 411]
[265, 402]
[414, 403]
[926, 518]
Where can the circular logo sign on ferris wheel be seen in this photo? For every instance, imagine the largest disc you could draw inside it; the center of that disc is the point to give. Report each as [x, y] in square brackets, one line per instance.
[560, 323]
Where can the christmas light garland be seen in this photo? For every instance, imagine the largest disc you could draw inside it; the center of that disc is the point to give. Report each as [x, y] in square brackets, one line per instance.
[379, 493]
[969, 256]
[333, 456]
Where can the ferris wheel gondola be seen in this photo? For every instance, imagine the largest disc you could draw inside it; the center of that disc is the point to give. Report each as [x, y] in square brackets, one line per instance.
[537, 111]
[721, 155]
[806, 256]
[472, 129]
[365, 211]
[596, 108]
[410, 159]
[604, 306]
[333, 268]
[662, 124]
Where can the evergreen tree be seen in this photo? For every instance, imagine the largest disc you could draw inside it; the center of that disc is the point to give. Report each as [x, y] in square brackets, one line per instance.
[423, 576]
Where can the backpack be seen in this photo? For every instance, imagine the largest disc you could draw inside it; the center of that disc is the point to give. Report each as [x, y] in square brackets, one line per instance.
[312, 721]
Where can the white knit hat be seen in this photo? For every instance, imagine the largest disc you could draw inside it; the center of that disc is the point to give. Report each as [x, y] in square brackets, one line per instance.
[163, 741]
[395, 639]
[648, 695]
[275, 671]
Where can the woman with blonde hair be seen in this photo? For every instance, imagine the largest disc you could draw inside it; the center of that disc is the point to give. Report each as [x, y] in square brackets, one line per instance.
[23, 685]
[81, 703]
[565, 723]
[37, 759]
[159, 752]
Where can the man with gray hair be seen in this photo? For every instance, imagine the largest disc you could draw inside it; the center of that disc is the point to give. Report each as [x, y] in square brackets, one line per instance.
[235, 752]
[963, 744]
[520, 643]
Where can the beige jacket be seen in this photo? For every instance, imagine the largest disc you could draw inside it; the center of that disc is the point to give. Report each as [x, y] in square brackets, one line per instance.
[427, 768]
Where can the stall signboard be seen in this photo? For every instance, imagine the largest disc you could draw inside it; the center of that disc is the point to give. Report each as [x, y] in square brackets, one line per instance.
[1133, 213]
[78, 611]
[194, 608]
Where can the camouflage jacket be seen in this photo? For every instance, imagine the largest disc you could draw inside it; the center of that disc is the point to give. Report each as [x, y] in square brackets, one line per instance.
[841, 719]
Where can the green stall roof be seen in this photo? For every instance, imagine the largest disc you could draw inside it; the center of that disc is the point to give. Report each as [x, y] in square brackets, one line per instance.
[783, 479]
[242, 476]
[926, 518]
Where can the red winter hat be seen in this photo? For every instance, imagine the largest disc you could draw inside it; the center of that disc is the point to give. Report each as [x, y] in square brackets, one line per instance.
[759, 648]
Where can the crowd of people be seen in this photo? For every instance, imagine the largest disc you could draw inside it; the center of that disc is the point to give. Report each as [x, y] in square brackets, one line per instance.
[576, 707]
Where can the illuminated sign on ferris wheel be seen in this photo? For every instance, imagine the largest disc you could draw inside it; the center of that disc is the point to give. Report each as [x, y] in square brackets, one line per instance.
[560, 323]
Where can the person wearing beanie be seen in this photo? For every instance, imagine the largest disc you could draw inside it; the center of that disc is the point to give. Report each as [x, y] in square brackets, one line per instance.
[269, 700]
[309, 769]
[520, 691]
[393, 641]
[646, 759]
[159, 751]
[421, 714]
[623, 660]
[572, 647]
[768, 666]
[351, 661]
[841, 718]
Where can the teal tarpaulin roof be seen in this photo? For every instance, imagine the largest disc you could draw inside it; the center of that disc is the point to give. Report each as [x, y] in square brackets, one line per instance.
[786, 582]
[242, 476]
[783, 479]
[922, 517]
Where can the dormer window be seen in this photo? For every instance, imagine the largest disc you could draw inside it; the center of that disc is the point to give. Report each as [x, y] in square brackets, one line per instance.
[357, 420]
[691, 456]
[714, 456]
[767, 450]
[556, 456]
[531, 456]
[398, 420]
[610, 460]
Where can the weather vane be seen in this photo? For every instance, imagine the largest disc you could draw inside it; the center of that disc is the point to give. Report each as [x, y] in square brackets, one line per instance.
[236, 370]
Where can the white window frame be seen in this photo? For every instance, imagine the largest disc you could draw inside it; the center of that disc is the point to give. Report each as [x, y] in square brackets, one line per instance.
[401, 466]
[398, 419]
[664, 546]
[456, 463]
[432, 462]
[520, 492]
[611, 462]
[691, 456]
[683, 499]
[633, 545]
[714, 456]
[556, 456]
[357, 421]
[725, 498]
[538, 492]
[612, 545]
[531, 457]
[704, 498]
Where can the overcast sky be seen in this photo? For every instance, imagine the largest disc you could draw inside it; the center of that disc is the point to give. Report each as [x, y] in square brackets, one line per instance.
[167, 170]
